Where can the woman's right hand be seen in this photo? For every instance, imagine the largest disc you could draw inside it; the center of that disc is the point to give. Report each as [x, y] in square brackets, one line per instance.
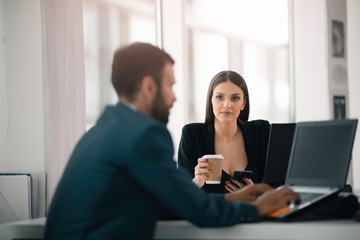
[201, 172]
[236, 185]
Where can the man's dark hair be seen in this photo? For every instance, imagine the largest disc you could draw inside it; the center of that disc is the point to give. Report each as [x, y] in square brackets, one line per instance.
[132, 63]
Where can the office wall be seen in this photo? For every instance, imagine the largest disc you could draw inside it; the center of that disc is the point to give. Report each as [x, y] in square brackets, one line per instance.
[311, 66]
[310, 60]
[22, 149]
[45, 78]
[353, 13]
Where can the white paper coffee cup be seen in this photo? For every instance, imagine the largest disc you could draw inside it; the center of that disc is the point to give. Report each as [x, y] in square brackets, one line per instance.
[215, 174]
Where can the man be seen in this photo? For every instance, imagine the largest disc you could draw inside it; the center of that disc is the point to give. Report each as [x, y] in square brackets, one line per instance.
[121, 177]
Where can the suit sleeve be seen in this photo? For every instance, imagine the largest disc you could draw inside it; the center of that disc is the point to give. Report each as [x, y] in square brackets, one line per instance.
[187, 155]
[153, 167]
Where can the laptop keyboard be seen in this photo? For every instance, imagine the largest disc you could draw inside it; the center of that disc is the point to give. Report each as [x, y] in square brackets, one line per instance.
[305, 197]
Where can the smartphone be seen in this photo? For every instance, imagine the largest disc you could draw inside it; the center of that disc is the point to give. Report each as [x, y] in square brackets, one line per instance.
[238, 175]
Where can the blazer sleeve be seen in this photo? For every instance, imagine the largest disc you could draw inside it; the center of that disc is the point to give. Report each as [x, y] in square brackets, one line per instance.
[152, 167]
[187, 154]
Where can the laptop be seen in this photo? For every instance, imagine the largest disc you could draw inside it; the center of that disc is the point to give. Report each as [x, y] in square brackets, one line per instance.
[319, 162]
[278, 153]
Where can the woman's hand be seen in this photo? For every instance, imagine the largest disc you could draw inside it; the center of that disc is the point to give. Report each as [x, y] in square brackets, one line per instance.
[201, 172]
[236, 185]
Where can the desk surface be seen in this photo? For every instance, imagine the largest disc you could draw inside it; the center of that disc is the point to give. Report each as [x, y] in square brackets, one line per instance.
[335, 229]
[339, 229]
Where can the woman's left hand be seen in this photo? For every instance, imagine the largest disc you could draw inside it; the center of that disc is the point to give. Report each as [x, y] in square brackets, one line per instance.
[236, 185]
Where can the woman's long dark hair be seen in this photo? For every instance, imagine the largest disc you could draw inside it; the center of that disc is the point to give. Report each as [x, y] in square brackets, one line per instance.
[238, 81]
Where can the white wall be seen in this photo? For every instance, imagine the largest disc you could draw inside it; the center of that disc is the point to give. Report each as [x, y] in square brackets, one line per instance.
[311, 66]
[45, 78]
[22, 149]
[310, 60]
[353, 43]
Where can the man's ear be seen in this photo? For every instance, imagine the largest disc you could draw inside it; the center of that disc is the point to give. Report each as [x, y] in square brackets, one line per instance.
[148, 87]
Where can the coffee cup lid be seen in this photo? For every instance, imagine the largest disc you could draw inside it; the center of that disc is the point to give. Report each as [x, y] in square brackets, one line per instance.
[216, 156]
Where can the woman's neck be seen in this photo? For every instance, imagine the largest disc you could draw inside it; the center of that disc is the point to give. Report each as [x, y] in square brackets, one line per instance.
[225, 131]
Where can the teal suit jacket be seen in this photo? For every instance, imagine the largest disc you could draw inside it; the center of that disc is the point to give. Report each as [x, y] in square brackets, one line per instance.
[121, 179]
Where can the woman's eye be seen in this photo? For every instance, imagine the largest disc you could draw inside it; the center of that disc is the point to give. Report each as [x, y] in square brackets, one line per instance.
[236, 98]
[219, 97]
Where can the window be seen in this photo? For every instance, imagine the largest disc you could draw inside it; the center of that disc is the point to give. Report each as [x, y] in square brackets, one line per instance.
[218, 35]
[109, 24]
[244, 36]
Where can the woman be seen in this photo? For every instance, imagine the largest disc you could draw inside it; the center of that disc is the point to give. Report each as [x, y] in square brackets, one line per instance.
[226, 131]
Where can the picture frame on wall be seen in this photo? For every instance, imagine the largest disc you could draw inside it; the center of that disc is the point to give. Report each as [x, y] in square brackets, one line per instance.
[338, 38]
[339, 107]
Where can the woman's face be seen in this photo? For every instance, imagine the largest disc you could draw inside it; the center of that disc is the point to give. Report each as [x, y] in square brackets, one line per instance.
[228, 101]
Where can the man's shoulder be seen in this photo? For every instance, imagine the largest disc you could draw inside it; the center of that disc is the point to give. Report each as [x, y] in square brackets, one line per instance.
[120, 121]
[126, 115]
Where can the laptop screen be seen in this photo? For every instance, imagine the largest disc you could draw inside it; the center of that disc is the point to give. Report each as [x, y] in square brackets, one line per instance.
[321, 153]
[278, 153]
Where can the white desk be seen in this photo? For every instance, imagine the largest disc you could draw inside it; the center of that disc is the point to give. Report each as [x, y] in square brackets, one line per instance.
[327, 230]
[339, 230]
[27, 229]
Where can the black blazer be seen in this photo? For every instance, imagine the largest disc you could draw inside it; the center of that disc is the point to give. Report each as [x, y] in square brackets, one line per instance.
[122, 178]
[197, 139]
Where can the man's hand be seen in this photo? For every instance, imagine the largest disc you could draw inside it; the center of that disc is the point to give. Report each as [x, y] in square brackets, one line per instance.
[248, 193]
[265, 198]
[274, 199]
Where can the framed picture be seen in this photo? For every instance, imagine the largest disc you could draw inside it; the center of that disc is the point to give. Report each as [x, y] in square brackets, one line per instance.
[338, 39]
[339, 107]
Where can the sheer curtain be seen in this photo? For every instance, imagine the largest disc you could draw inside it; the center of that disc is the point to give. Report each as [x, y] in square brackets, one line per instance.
[64, 84]
[105, 24]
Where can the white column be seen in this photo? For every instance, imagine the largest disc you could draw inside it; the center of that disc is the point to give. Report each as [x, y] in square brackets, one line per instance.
[173, 42]
[310, 60]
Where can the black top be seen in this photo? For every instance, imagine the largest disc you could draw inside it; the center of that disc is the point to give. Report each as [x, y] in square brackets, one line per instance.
[197, 140]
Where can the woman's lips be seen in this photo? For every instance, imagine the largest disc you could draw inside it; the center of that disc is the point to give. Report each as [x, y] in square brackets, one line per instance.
[226, 113]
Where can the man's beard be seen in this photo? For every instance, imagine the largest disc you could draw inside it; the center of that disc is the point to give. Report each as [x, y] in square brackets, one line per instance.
[159, 110]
